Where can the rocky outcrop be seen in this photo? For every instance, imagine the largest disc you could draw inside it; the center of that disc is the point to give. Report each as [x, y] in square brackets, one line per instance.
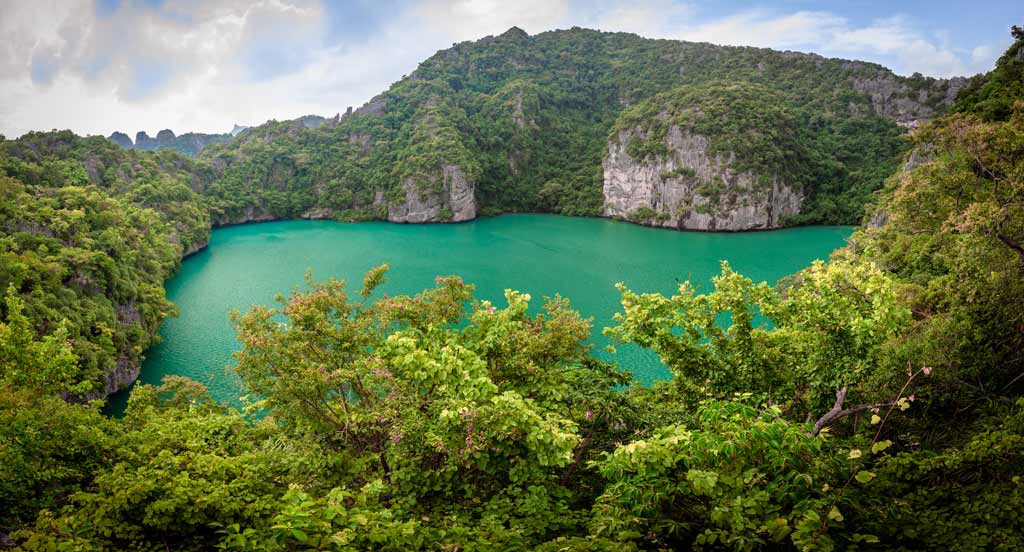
[690, 189]
[196, 247]
[126, 371]
[317, 213]
[377, 105]
[250, 214]
[909, 102]
[311, 121]
[453, 199]
[143, 141]
[121, 139]
[918, 156]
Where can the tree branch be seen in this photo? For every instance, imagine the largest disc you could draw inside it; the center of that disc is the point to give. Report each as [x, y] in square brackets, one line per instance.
[1012, 245]
[831, 414]
[837, 412]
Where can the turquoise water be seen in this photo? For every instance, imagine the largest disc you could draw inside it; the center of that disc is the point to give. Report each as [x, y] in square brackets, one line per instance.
[579, 258]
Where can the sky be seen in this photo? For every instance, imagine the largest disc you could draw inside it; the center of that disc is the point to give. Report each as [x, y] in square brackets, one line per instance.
[96, 66]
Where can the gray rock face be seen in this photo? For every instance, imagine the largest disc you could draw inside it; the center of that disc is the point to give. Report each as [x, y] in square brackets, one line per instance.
[125, 372]
[122, 140]
[195, 248]
[143, 141]
[668, 191]
[907, 106]
[377, 105]
[251, 214]
[879, 219]
[454, 200]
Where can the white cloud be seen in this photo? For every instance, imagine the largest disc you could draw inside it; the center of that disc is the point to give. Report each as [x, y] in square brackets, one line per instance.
[757, 28]
[459, 20]
[652, 18]
[896, 42]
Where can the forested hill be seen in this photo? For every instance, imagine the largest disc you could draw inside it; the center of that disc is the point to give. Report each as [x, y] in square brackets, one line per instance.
[523, 123]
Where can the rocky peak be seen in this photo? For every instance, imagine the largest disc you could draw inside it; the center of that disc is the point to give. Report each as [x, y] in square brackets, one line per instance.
[189, 144]
[121, 139]
[514, 33]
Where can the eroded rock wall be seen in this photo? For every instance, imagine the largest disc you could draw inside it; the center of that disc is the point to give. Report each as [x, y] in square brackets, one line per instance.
[448, 197]
[674, 191]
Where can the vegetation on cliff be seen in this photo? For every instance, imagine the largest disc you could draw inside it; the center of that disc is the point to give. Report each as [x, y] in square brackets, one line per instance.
[871, 402]
[527, 118]
[837, 161]
[88, 234]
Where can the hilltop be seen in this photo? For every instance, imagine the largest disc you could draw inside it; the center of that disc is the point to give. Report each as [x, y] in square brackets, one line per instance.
[532, 123]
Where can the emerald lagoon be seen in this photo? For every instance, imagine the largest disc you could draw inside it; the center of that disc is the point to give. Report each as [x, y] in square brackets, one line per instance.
[543, 255]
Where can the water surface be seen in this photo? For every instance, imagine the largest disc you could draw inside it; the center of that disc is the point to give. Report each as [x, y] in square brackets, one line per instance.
[579, 258]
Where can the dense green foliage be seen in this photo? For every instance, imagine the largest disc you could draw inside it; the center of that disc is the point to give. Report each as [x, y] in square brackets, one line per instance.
[873, 402]
[991, 95]
[89, 234]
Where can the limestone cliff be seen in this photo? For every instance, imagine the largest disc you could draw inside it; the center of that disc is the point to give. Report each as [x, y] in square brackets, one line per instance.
[692, 189]
[908, 101]
[448, 197]
[244, 216]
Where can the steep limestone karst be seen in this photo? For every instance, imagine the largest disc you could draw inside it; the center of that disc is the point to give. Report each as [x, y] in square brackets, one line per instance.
[712, 157]
[450, 200]
[691, 188]
[908, 101]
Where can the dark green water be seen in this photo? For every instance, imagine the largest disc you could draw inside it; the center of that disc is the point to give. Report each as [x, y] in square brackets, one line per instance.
[581, 259]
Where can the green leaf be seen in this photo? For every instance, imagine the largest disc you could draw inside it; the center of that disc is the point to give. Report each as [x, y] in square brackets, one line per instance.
[865, 476]
[835, 515]
[880, 446]
[857, 537]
